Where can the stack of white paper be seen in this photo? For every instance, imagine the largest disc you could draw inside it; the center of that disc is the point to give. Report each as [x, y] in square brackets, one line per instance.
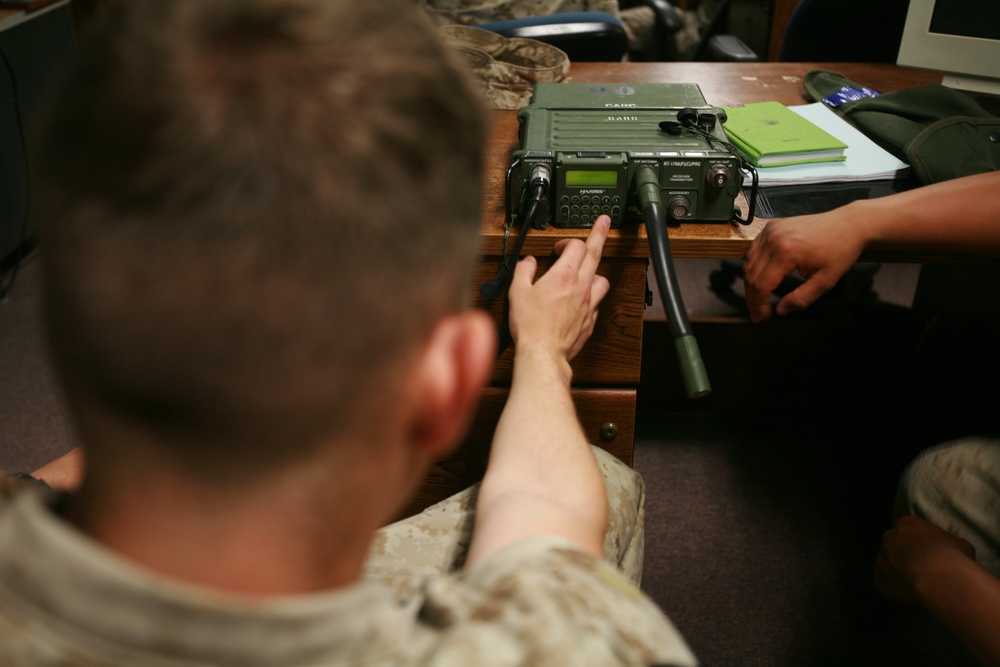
[866, 160]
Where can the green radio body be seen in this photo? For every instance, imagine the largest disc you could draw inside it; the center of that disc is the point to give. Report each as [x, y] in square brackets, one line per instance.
[593, 138]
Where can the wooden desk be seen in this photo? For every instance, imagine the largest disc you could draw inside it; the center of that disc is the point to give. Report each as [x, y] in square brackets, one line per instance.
[606, 373]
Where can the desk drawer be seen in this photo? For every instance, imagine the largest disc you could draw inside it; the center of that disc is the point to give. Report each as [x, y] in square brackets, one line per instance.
[613, 354]
[599, 409]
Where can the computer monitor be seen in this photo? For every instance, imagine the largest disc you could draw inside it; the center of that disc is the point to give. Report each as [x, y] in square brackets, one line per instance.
[960, 38]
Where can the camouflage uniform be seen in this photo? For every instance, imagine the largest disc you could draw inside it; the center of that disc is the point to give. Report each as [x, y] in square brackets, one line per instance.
[638, 22]
[956, 486]
[65, 600]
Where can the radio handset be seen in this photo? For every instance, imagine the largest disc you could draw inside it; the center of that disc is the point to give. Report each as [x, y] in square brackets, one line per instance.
[693, 373]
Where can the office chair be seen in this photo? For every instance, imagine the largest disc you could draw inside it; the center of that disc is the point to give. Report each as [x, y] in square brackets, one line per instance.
[601, 37]
[594, 36]
[715, 42]
[584, 36]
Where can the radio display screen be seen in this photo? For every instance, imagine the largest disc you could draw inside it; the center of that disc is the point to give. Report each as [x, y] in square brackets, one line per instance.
[593, 179]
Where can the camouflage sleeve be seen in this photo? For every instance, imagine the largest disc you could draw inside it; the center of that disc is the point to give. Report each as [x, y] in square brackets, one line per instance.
[543, 602]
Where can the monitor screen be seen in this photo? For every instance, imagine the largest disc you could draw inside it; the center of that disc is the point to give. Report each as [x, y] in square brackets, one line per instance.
[959, 38]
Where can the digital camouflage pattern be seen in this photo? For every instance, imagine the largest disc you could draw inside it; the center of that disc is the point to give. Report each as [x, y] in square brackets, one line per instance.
[67, 601]
[956, 486]
[437, 539]
[507, 69]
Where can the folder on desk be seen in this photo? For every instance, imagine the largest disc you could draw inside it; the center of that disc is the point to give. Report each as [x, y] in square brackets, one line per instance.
[772, 135]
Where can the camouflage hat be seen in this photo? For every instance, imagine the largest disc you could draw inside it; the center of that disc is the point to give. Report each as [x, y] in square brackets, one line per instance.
[507, 68]
[941, 132]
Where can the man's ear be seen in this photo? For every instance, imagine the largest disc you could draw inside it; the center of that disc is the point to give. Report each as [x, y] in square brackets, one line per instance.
[454, 366]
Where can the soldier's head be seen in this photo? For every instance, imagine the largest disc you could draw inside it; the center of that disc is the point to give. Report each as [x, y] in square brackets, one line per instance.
[253, 212]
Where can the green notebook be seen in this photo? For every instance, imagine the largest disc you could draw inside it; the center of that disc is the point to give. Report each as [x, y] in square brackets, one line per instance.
[772, 135]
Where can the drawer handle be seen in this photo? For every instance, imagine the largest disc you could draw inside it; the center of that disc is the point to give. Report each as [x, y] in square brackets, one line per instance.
[609, 431]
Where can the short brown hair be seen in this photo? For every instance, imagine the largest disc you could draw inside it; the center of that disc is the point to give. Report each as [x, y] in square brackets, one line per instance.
[253, 209]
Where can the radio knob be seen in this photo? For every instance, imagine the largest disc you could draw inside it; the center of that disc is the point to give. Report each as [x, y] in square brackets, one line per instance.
[678, 206]
[718, 176]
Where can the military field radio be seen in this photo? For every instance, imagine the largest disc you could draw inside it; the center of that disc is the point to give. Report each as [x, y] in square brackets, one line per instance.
[639, 153]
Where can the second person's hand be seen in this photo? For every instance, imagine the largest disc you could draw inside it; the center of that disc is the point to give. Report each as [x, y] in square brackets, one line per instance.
[822, 248]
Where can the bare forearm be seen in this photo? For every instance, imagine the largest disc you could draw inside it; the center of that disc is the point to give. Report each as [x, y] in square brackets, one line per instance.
[962, 215]
[542, 477]
[540, 436]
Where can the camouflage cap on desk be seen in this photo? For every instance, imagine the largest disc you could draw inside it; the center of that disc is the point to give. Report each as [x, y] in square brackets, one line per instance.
[940, 131]
[507, 68]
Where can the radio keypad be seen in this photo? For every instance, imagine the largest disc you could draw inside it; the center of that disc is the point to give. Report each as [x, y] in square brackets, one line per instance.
[583, 210]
